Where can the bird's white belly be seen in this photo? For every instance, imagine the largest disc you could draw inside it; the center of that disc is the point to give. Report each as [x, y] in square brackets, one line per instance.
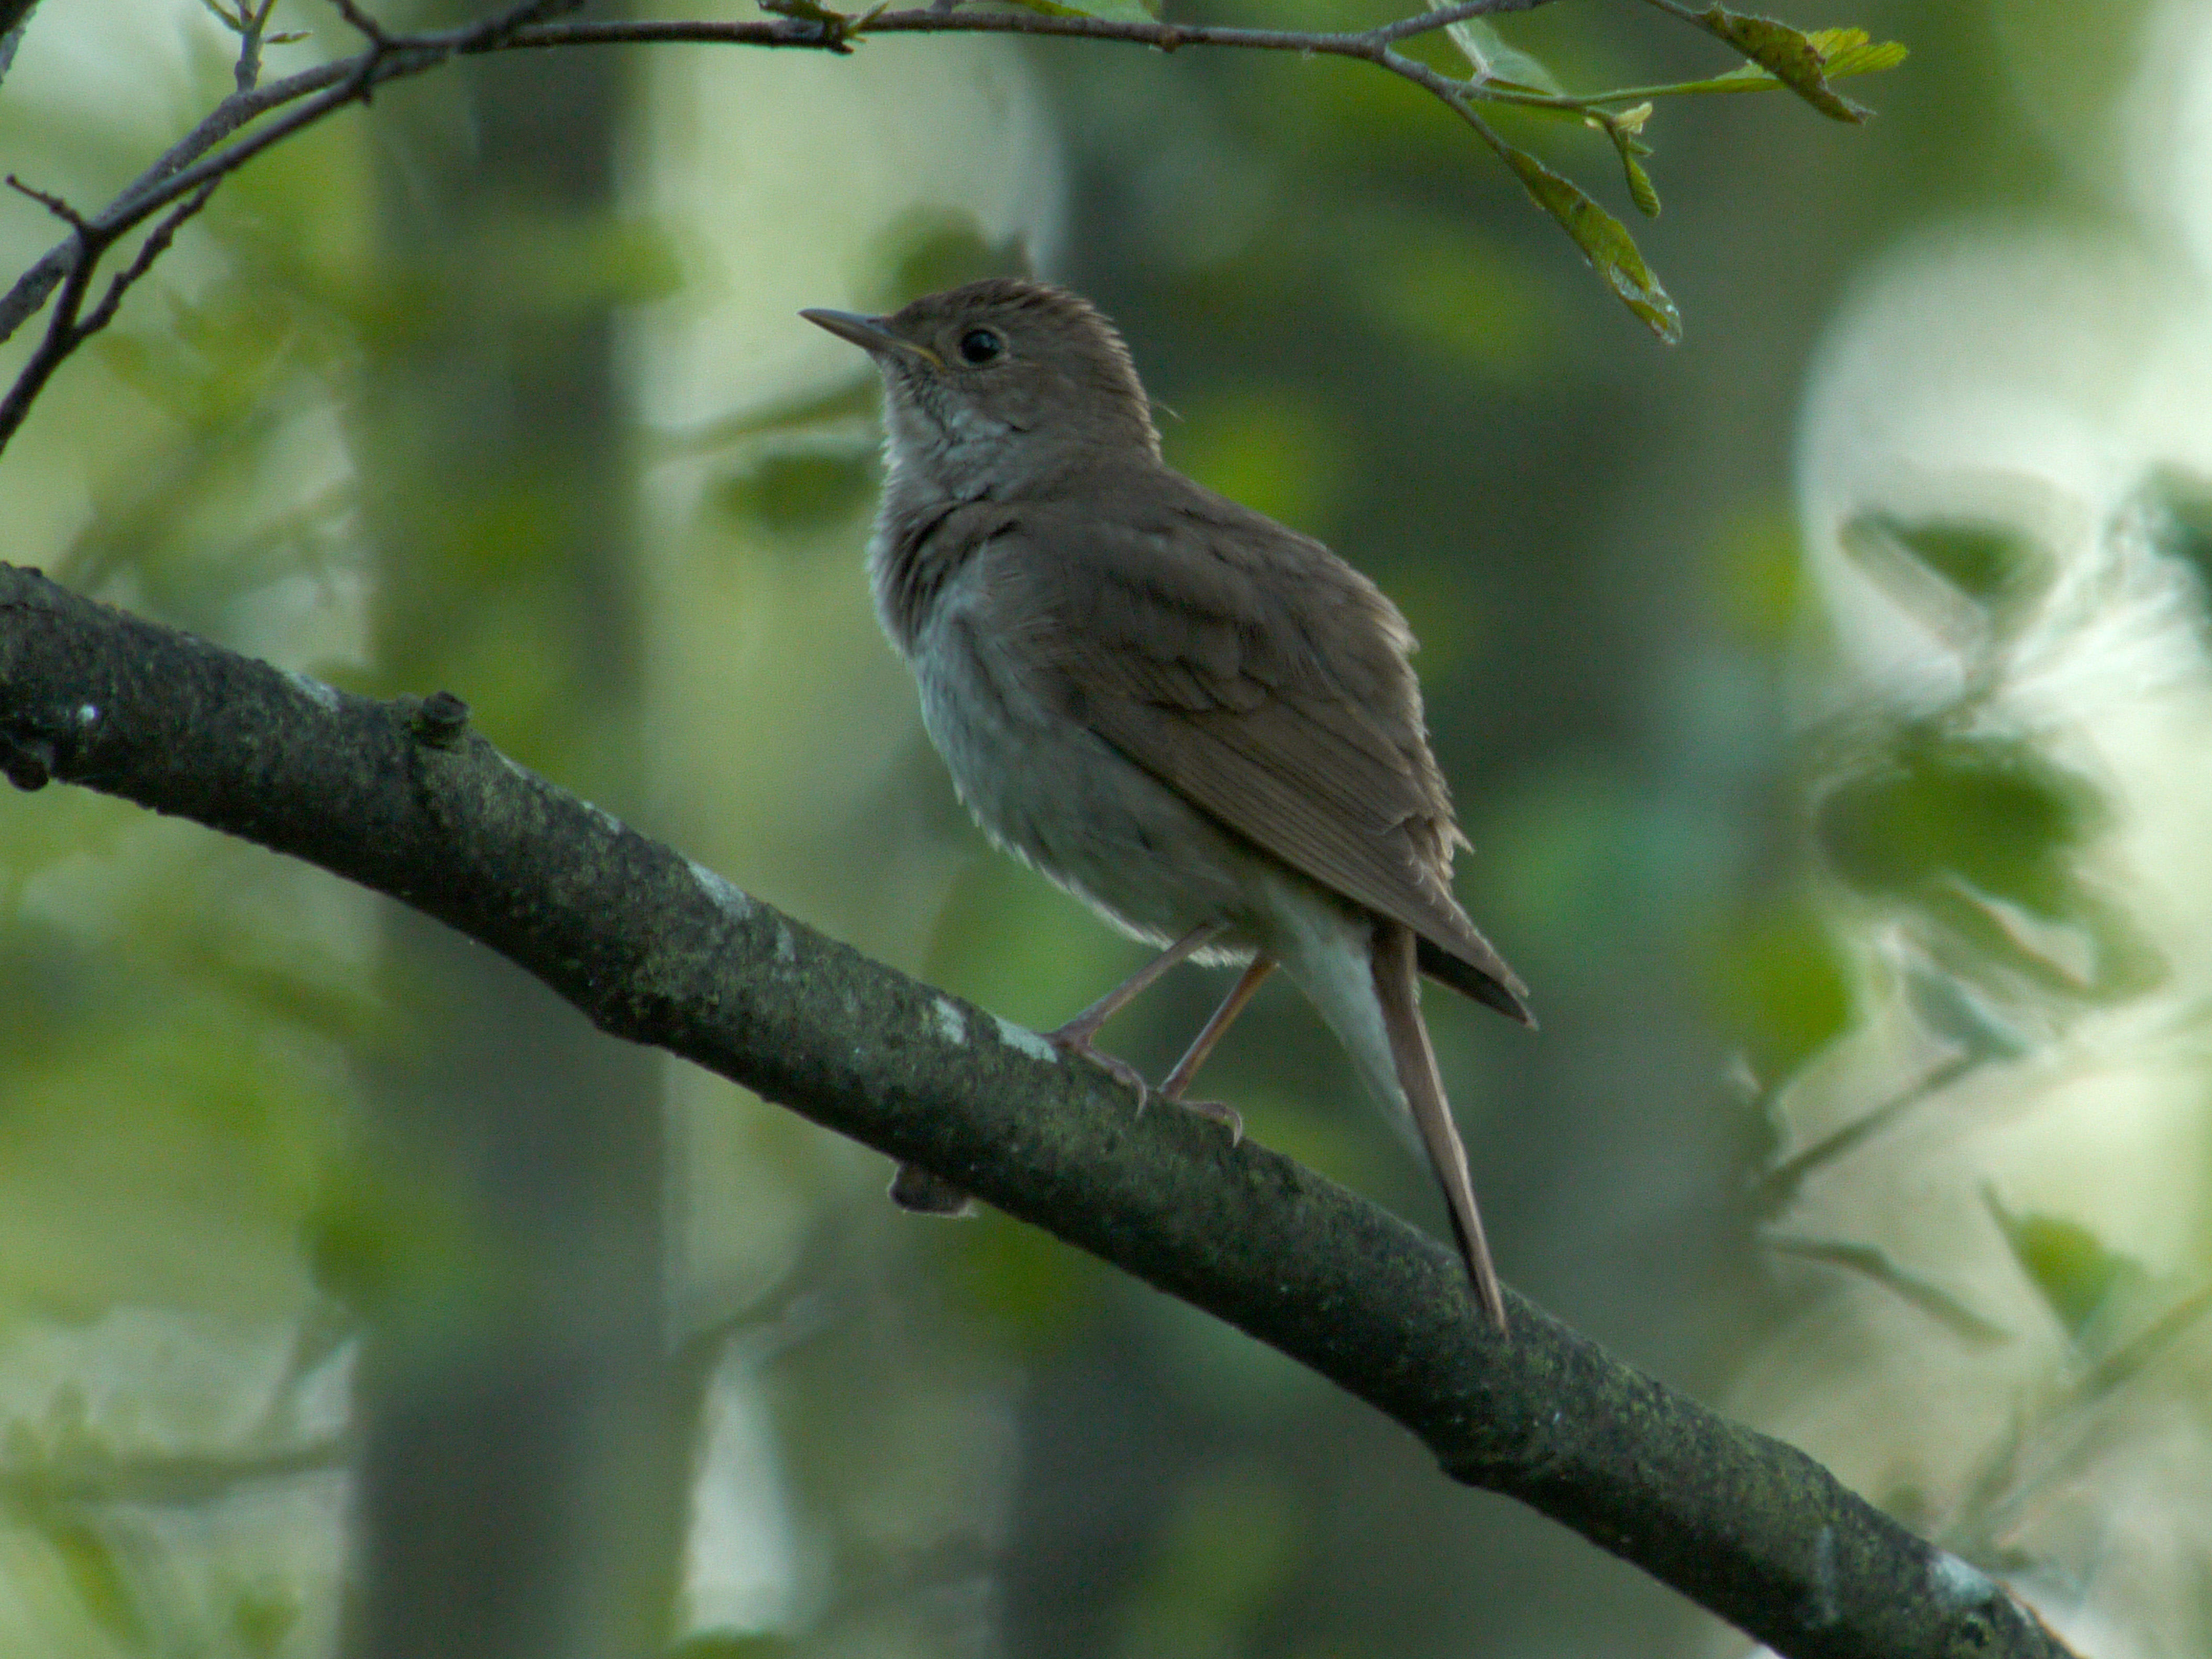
[1048, 790]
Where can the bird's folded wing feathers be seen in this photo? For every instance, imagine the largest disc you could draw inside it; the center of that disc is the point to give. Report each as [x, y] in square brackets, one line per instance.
[1214, 663]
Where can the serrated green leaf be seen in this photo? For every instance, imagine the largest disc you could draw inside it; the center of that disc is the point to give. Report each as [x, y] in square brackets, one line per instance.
[1790, 55]
[1842, 53]
[1602, 238]
[1849, 51]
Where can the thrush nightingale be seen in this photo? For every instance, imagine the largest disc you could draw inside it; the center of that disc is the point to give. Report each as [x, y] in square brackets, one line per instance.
[1198, 722]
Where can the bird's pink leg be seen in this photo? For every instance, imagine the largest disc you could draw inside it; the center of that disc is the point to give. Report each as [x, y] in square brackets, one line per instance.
[1074, 1037]
[1202, 1045]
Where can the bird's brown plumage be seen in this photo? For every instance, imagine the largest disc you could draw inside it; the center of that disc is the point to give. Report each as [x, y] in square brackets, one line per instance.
[1266, 680]
[1202, 722]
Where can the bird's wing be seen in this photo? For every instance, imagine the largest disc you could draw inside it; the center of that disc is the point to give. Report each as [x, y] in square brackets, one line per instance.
[1264, 679]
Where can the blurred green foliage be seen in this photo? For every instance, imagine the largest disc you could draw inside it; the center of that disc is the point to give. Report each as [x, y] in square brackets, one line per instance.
[981, 1444]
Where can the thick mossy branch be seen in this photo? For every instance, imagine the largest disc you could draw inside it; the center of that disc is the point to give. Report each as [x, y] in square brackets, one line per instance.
[404, 799]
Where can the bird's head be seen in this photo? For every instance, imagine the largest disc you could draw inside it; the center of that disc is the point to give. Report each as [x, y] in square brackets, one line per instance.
[999, 385]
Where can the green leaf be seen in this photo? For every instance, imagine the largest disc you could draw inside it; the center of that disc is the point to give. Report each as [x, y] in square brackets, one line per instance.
[1980, 561]
[1602, 238]
[1495, 62]
[1788, 54]
[1849, 51]
[1953, 571]
[93, 1571]
[1641, 190]
[1977, 837]
[2067, 1262]
[1933, 807]
[793, 491]
[1842, 52]
[1781, 985]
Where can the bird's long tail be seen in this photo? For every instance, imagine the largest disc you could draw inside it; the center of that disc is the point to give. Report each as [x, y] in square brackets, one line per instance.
[1397, 989]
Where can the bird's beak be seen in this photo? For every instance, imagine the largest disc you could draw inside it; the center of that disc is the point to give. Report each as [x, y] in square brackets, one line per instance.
[869, 334]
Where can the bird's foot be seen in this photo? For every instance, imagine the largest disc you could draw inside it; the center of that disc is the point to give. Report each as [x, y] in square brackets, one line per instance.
[1074, 1039]
[1227, 1117]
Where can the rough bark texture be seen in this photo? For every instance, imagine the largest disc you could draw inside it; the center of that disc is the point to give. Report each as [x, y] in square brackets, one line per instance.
[402, 798]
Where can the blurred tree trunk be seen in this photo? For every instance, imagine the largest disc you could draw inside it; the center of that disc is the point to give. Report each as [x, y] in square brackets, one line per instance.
[521, 1492]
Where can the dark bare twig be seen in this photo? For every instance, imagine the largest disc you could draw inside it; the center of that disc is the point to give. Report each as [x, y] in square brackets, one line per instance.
[363, 25]
[187, 167]
[15, 18]
[61, 338]
[30, 291]
[52, 204]
[211, 150]
[155, 245]
[253, 29]
[70, 325]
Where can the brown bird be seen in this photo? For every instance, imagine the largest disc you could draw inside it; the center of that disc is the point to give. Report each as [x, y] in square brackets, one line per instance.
[1198, 722]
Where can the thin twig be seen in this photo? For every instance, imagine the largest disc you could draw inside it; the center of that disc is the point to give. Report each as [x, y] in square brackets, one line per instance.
[67, 329]
[148, 193]
[1780, 1184]
[22, 301]
[15, 18]
[61, 336]
[1443, 17]
[211, 150]
[367, 27]
[155, 245]
[388, 57]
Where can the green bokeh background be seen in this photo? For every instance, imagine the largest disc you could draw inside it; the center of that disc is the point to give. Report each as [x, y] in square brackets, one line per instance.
[495, 386]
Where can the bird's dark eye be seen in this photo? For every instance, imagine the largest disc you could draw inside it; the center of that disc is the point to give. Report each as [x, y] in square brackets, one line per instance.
[980, 346]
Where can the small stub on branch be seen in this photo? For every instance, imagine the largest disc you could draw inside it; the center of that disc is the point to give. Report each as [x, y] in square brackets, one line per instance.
[28, 762]
[439, 720]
